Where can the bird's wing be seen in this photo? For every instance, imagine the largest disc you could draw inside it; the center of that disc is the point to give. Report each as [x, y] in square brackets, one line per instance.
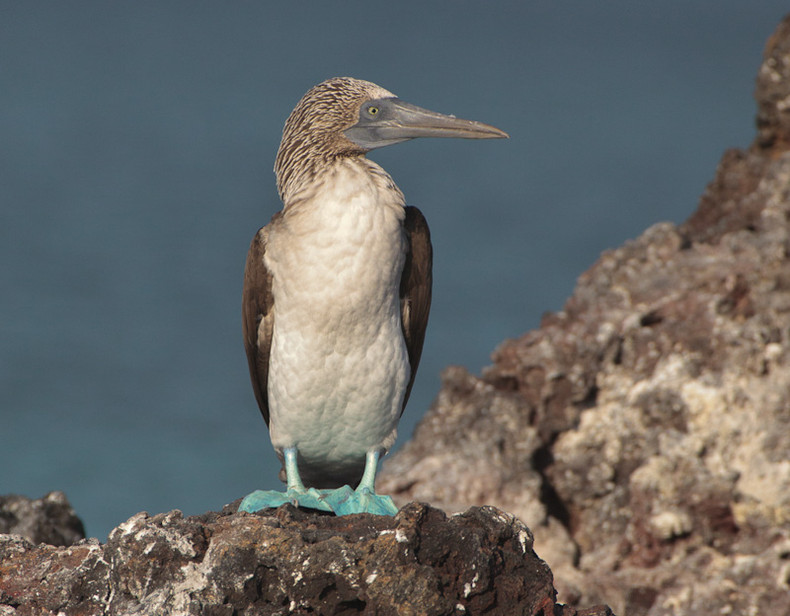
[415, 289]
[257, 309]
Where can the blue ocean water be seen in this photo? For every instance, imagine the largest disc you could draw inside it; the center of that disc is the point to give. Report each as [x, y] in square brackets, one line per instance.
[136, 148]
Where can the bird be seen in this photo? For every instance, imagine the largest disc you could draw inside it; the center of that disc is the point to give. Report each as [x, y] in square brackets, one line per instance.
[336, 295]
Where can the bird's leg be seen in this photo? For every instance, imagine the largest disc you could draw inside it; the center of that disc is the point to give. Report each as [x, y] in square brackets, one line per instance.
[364, 499]
[293, 480]
[368, 481]
[295, 492]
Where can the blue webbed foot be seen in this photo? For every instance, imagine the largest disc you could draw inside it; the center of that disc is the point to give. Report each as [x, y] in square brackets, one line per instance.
[296, 494]
[271, 499]
[345, 501]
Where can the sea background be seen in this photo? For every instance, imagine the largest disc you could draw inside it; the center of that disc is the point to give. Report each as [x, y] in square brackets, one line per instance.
[136, 147]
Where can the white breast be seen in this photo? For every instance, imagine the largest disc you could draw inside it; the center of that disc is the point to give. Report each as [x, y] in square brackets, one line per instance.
[338, 367]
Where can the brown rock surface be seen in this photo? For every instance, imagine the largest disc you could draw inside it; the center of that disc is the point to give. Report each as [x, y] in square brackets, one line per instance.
[287, 561]
[643, 432]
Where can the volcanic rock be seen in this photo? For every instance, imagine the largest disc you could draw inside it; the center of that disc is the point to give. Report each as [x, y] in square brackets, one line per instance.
[43, 520]
[287, 561]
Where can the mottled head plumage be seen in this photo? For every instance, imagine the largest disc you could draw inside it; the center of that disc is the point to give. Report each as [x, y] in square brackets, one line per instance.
[313, 133]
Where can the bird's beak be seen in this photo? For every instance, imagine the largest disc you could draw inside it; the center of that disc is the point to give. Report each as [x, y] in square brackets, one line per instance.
[394, 120]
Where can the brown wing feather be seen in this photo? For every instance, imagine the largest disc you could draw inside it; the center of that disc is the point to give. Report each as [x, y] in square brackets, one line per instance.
[257, 308]
[415, 289]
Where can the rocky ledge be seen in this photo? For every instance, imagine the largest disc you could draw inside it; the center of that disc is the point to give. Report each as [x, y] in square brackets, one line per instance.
[643, 433]
[287, 561]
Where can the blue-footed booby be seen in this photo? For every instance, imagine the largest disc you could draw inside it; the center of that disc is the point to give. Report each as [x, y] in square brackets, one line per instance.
[337, 289]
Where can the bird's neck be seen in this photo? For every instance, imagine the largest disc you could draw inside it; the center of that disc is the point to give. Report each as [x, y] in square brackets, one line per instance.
[306, 154]
[303, 184]
[297, 165]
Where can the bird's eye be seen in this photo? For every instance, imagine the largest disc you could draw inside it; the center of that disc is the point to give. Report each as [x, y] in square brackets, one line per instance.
[372, 110]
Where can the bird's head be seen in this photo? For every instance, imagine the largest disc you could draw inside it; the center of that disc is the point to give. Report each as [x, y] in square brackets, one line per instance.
[343, 116]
